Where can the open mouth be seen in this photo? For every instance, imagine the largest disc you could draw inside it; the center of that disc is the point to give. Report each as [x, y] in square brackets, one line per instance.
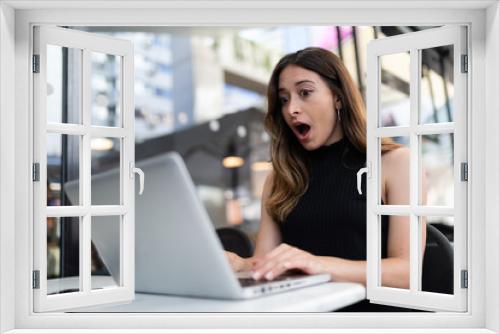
[303, 130]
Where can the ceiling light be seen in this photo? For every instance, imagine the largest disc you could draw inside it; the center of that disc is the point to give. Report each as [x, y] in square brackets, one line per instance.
[233, 161]
[101, 144]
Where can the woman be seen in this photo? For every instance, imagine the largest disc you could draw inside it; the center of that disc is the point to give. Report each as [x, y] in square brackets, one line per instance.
[313, 218]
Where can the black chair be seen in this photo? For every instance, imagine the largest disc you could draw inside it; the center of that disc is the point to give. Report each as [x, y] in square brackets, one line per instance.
[235, 241]
[437, 271]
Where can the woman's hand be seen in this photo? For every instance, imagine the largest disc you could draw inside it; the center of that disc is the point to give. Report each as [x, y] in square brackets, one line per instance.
[285, 257]
[237, 263]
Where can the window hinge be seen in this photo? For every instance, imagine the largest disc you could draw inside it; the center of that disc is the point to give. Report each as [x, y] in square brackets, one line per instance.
[36, 63]
[36, 279]
[36, 172]
[465, 279]
[465, 66]
[464, 171]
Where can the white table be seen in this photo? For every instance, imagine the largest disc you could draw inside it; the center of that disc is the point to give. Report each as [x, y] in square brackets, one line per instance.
[320, 298]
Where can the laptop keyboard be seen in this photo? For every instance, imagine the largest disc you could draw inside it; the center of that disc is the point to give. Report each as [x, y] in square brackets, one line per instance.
[246, 282]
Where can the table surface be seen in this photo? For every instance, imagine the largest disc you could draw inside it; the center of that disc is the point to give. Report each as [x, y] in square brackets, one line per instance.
[325, 297]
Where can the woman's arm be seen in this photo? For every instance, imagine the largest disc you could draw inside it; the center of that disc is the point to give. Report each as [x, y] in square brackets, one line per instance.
[396, 191]
[395, 268]
[268, 236]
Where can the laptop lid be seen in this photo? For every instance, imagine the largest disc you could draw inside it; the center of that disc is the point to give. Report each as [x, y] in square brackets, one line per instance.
[177, 249]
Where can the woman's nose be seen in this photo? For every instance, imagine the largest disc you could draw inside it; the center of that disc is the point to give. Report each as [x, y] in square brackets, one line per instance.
[293, 108]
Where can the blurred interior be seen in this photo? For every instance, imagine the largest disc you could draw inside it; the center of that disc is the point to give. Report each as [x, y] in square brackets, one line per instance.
[201, 91]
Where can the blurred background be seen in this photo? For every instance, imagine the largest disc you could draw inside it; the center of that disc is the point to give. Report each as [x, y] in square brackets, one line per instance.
[201, 91]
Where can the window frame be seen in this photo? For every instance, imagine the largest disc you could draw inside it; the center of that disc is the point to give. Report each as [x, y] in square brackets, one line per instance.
[17, 17]
[414, 43]
[87, 44]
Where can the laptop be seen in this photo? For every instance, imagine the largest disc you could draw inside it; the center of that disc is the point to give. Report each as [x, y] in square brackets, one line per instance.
[177, 249]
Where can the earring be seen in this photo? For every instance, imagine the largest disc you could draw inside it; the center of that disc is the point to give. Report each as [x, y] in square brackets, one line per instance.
[338, 114]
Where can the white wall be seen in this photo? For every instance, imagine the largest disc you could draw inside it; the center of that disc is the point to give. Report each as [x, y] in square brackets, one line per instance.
[492, 190]
[7, 166]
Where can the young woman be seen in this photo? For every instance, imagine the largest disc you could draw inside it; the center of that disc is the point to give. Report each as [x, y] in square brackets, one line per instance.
[313, 218]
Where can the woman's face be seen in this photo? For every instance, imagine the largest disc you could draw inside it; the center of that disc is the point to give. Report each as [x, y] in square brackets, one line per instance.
[308, 107]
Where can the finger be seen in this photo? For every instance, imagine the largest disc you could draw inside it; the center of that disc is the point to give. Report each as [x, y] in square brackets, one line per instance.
[302, 263]
[270, 269]
[267, 265]
[235, 262]
[274, 255]
[259, 264]
[263, 268]
[305, 264]
[277, 251]
[276, 271]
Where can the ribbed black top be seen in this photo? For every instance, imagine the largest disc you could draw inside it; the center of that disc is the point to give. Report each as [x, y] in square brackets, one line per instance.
[330, 218]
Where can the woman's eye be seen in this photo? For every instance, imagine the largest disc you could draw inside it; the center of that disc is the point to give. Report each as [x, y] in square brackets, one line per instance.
[283, 100]
[305, 92]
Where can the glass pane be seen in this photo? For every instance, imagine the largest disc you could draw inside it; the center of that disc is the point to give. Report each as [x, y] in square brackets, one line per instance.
[105, 171]
[106, 246]
[106, 89]
[437, 268]
[437, 167]
[386, 171]
[63, 255]
[436, 86]
[64, 84]
[394, 90]
[400, 222]
[63, 169]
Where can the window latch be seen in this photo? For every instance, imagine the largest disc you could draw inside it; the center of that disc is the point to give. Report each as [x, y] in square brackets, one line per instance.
[134, 170]
[359, 175]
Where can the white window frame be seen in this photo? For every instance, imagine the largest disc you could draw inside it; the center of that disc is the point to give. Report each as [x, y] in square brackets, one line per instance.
[16, 17]
[124, 131]
[413, 43]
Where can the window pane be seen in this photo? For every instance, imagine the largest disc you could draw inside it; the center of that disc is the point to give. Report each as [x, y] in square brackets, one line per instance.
[437, 270]
[394, 90]
[437, 164]
[106, 89]
[63, 255]
[387, 171]
[403, 223]
[64, 84]
[436, 86]
[106, 246]
[105, 159]
[63, 169]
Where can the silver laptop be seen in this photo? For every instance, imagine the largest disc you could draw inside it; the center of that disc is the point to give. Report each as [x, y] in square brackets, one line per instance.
[177, 249]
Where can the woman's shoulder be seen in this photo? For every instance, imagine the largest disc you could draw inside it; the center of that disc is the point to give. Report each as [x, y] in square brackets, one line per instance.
[396, 159]
[269, 177]
[268, 183]
[400, 153]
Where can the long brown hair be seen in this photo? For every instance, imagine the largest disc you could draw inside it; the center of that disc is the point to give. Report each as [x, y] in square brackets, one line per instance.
[290, 177]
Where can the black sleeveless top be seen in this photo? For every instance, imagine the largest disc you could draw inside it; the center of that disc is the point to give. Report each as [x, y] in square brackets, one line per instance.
[330, 218]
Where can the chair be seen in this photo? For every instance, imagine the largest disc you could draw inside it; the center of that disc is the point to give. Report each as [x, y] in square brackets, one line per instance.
[235, 241]
[437, 271]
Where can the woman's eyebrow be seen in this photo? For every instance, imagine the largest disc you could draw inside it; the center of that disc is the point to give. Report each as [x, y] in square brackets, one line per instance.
[298, 83]
[304, 81]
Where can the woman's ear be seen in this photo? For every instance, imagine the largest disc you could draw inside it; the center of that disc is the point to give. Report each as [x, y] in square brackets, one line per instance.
[338, 104]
